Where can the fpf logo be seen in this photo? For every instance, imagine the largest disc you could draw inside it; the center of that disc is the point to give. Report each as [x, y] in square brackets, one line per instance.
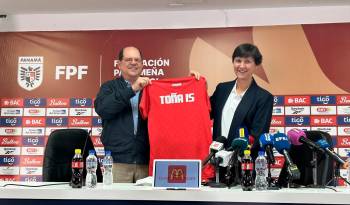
[176, 174]
[30, 72]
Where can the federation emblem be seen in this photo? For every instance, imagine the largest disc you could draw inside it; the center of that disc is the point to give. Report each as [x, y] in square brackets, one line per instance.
[30, 72]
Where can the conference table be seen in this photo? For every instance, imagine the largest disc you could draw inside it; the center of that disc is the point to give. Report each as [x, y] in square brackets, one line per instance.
[124, 193]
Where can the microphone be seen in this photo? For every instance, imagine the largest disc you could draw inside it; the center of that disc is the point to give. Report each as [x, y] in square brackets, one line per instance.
[238, 145]
[215, 146]
[223, 157]
[266, 142]
[298, 137]
[282, 145]
[325, 146]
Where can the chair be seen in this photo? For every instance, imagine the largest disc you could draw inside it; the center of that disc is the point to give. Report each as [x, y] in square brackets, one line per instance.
[59, 151]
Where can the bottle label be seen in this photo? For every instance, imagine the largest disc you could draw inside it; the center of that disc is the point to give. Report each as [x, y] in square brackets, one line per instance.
[77, 164]
[247, 166]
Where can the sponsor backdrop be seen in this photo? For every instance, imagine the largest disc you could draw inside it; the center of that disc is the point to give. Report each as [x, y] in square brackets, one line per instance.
[49, 80]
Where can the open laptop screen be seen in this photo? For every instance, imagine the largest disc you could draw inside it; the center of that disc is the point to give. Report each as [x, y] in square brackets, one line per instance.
[177, 174]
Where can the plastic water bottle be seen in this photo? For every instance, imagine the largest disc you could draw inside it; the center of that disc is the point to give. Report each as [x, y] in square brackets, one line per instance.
[77, 169]
[91, 166]
[107, 167]
[247, 168]
[261, 169]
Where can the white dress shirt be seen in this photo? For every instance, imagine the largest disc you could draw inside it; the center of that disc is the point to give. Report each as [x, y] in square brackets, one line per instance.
[229, 110]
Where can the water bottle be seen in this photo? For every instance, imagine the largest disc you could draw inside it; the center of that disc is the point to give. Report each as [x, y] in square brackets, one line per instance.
[77, 169]
[247, 169]
[261, 169]
[107, 167]
[91, 167]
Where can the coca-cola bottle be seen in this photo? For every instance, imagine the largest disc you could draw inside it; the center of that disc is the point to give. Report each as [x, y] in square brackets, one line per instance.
[77, 169]
[247, 168]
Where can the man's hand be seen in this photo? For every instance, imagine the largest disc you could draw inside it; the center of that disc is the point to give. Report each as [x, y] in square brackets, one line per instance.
[196, 74]
[140, 83]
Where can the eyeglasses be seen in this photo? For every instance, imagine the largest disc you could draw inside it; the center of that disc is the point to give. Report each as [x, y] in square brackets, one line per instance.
[130, 60]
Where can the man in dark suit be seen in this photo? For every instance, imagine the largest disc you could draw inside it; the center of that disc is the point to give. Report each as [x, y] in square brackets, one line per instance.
[124, 132]
[242, 103]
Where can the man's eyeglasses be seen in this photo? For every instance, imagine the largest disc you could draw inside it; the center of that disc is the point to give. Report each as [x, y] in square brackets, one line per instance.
[130, 60]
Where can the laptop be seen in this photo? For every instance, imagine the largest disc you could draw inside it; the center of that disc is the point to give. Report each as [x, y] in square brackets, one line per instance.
[176, 174]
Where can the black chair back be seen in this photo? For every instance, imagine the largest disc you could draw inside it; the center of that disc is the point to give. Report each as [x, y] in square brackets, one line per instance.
[59, 151]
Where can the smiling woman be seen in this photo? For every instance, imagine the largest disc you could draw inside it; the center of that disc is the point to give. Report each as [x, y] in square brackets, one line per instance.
[242, 103]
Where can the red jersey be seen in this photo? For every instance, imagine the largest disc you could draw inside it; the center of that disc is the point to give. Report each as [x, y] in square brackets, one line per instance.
[179, 127]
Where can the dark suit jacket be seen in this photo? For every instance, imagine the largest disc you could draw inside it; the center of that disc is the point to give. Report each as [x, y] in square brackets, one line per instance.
[254, 111]
[113, 105]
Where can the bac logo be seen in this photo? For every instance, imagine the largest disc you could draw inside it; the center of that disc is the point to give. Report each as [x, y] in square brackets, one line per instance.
[297, 100]
[34, 121]
[323, 121]
[34, 102]
[176, 174]
[80, 102]
[12, 102]
[278, 100]
[323, 100]
[279, 161]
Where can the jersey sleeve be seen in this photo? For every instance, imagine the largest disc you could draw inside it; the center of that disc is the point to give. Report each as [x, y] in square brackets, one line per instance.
[144, 103]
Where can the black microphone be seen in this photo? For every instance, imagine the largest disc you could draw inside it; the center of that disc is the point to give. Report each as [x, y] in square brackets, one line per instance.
[282, 145]
[298, 137]
[266, 142]
[323, 143]
[215, 146]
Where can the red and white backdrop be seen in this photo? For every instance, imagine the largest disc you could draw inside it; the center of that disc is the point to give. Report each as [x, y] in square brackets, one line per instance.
[49, 80]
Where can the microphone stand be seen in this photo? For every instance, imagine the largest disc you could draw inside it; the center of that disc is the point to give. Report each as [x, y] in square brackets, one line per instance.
[232, 163]
[217, 183]
[270, 182]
